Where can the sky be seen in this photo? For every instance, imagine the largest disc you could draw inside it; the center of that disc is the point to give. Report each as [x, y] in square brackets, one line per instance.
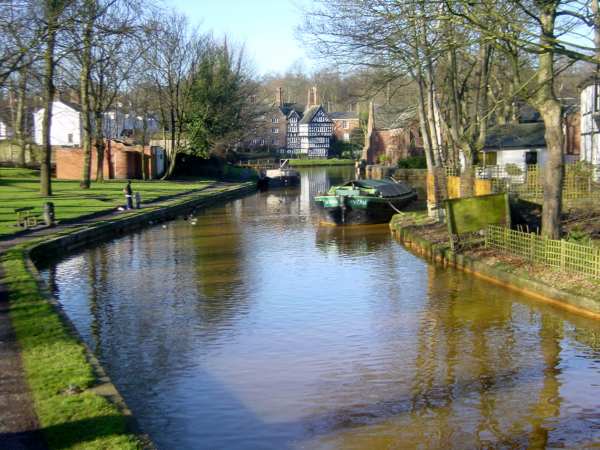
[266, 27]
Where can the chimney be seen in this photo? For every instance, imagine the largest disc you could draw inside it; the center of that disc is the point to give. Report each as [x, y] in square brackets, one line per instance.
[279, 96]
[315, 97]
[309, 99]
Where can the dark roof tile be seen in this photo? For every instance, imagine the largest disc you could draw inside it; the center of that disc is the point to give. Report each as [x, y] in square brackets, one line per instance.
[515, 136]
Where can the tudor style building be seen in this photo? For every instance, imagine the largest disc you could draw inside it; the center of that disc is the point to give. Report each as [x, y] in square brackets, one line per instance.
[293, 129]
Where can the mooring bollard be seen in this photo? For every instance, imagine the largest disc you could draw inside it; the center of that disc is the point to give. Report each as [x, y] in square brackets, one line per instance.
[138, 200]
[49, 213]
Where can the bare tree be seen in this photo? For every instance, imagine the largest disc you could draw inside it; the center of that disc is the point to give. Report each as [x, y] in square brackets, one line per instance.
[172, 60]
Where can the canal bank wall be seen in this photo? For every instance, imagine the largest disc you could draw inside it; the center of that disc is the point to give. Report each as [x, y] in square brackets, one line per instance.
[76, 403]
[440, 253]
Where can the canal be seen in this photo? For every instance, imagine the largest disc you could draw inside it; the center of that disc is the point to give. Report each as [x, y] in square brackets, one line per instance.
[256, 328]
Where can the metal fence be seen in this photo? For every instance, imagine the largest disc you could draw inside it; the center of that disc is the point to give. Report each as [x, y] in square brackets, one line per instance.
[558, 254]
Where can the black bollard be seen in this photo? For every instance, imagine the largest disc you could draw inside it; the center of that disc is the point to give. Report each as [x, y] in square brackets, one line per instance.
[49, 213]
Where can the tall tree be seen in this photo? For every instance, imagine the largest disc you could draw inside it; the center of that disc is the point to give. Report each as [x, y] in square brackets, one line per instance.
[172, 60]
[53, 11]
[219, 107]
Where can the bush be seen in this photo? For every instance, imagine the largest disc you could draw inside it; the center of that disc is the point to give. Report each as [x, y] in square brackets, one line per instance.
[513, 170]
[413, 162]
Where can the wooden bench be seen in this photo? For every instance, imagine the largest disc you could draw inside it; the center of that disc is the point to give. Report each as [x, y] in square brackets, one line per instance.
[25, 217]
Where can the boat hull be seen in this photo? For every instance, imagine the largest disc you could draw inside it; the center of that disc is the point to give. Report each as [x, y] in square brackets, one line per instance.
[361, 210]
[283, 181]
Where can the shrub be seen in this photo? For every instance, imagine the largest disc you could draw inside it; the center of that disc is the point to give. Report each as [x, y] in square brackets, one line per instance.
[413, 162]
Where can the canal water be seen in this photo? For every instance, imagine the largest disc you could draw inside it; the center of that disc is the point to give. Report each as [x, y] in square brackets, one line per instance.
[258, 328]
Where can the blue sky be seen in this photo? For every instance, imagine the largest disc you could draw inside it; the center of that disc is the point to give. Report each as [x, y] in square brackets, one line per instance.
[266, 27]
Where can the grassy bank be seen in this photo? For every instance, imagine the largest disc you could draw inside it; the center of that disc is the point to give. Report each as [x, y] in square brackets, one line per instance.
[20, 188]
[576, 292]
[60, 378]
[321, 162]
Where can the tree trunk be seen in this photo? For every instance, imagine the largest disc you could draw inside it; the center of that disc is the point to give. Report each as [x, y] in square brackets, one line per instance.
[549, 107]
[99, 144]
[49, 90]
[84, 81]
[173, 150]
[20, 122]
[144, 138]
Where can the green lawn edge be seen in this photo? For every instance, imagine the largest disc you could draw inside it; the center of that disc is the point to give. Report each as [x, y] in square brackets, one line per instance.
[58, 372]
[320, 162]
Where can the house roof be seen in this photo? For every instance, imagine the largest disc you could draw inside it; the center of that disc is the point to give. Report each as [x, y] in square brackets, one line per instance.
[589, 81]
[70, 104]
[310, 114]
[390, 117]
[287, 108]
[515, 136]
[343, 115]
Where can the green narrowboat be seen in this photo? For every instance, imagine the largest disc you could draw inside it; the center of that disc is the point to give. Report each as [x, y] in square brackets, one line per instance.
[365, 201]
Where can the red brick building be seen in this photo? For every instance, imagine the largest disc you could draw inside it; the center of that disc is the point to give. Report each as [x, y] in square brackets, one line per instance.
[393, 135]
[343, 124]
[121, 161]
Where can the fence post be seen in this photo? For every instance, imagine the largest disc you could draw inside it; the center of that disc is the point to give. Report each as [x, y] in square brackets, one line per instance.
[532, 247]
[563, 249]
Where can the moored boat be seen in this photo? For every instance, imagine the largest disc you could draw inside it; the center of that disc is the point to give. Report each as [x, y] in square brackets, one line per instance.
[365, 201]
[282, 176]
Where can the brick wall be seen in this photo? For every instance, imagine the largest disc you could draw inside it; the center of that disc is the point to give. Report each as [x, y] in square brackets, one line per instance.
[395, 144]
[339, 130]
[121, 162]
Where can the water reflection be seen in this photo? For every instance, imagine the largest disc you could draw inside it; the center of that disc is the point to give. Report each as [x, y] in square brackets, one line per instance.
[258, 328]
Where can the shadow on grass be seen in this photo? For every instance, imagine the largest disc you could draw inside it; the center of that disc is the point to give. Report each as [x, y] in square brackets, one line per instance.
[69, 434]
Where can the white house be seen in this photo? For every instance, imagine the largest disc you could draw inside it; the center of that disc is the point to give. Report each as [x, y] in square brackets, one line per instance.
[117, 124]
[65, 126]
[520, 144]
[5, 130]
[590, 121]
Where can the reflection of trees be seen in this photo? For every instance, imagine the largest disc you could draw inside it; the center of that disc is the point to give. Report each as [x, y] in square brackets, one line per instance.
[548, 404]
[472, 332]
[220, 268]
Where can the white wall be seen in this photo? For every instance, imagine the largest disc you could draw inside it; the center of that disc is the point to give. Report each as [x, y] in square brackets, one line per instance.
[517, 156]
[5, 131]
[590, 133]
[116, 121]
[65, 121]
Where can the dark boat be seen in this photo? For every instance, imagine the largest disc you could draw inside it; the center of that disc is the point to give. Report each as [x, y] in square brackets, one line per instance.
[365, 201]
[282, 176]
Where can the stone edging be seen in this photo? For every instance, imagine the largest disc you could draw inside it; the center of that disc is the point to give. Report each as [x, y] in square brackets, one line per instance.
[102, 231]
[574, 303]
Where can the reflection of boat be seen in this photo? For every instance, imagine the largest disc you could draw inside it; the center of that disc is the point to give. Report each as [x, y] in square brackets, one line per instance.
[352, 240]
[283, 176]
[365, 201]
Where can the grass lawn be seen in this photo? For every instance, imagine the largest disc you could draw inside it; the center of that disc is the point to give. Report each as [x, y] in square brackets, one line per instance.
[20, 188]
[321, 162]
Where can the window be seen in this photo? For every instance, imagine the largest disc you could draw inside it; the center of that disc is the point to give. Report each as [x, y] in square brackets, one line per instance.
[274, 119]
[345, 124]
[262, 142]
[70, 138]
[274, 141]
[275, 130]
[253, 99]
[346, 137]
